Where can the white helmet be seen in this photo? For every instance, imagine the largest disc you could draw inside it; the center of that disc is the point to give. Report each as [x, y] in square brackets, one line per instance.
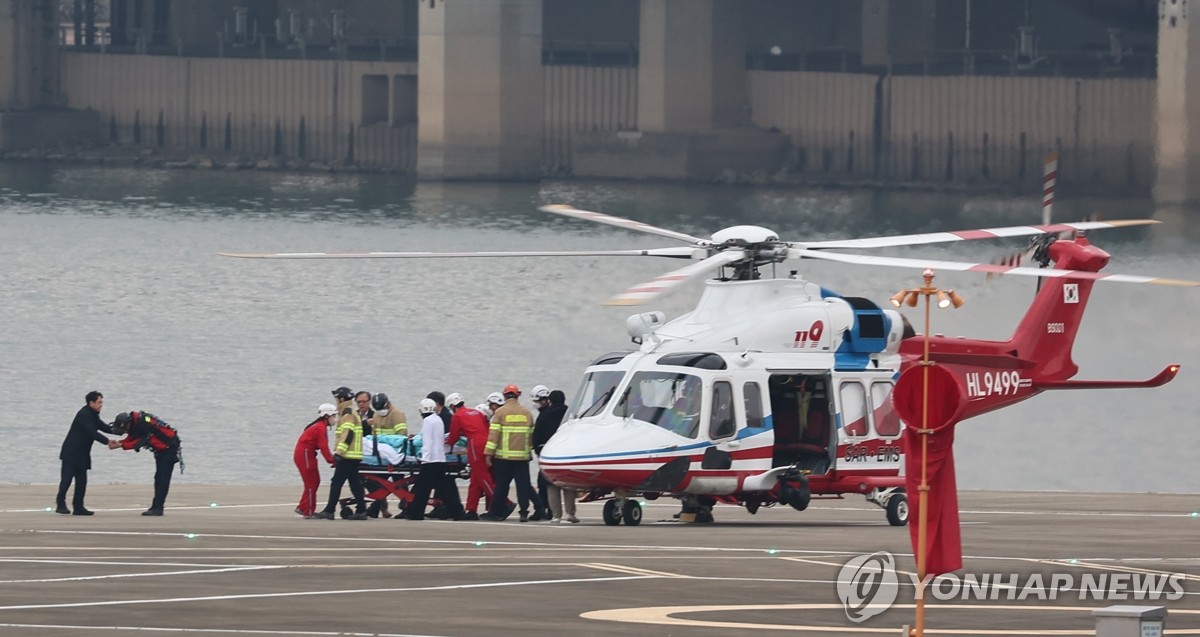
[483, 408]
[496, 398]
[427, 406]
[541, 392]
[327, 409]
[454, 400]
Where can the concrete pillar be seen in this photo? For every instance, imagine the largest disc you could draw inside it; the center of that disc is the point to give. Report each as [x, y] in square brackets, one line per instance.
[692, 66]
[1178, 111]
[479, 89]
[28, 54]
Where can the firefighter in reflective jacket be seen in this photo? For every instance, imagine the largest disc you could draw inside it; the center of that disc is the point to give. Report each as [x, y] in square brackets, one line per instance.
[508, 450]
[347, 456]
[147, 431]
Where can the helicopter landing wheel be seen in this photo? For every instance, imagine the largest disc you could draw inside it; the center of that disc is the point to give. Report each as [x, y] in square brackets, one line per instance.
[631, 512]
[897, 510]
[612, 513]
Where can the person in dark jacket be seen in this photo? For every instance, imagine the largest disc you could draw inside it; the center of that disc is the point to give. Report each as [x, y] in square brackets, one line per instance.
[551, 411]
[146, 431]
[76, 454]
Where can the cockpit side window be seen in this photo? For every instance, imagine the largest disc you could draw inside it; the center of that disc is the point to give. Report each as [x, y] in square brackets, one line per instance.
[721, 422]
[664, 399]
[595, 393]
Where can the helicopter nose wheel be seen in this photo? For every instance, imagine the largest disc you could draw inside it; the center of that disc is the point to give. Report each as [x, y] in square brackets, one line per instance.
[627, 510]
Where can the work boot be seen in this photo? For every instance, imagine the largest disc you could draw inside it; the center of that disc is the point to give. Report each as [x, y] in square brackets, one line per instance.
[62, 508]
[358, 516]
[154, 512]
[322, 515]
[82, 511]
[488, 517]
[509, 508]
[538, 515]
[471, 516]
[524, 516]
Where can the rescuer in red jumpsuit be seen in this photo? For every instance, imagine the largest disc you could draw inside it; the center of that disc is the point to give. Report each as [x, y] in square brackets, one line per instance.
[314, 438]
[474, 425]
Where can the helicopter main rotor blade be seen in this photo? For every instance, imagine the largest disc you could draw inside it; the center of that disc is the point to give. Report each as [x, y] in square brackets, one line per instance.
[621, 222]
[650, 290]
[966, 235]
[674, 253]
[962, 266]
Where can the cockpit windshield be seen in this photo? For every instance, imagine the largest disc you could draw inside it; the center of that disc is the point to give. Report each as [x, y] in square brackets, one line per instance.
[666, 399]
[594, 393]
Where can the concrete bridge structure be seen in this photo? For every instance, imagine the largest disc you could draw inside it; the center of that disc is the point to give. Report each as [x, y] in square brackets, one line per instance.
[876, 90]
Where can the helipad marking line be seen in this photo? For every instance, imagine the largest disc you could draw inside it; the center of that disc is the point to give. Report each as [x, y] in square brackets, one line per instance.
[812, 561]
[1117, 567]
[48, 560]
[202, 571]
[171, 508]
[662, 615]
[633, 570]
[221, 631]
[373, 540]
[453, 587]
[492, 545]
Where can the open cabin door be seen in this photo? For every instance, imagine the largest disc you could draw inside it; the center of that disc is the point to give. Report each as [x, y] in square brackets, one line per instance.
[800, 409]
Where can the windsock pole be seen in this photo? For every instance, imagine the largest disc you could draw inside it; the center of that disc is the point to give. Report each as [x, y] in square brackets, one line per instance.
[1049, 179]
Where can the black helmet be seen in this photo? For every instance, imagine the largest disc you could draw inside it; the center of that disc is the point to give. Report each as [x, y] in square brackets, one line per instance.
[380, 401]
[123, 422]
[343, 393]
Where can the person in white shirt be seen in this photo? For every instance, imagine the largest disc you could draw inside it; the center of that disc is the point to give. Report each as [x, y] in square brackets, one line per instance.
[432, 473]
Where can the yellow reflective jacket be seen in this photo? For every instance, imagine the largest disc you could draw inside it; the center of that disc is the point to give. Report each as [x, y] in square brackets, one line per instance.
[349, 432]
[510, 436]
[394, 423]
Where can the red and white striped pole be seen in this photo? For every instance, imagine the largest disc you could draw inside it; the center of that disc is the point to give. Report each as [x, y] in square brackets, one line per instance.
[1049, 179]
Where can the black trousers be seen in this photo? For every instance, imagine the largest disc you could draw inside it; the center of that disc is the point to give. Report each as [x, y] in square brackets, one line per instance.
[429, 476]
[164, 466]
[346, 471]
[505, 471]
[78, 474]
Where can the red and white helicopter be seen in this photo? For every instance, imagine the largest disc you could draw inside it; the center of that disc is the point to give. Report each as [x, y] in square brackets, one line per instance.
[775, 390]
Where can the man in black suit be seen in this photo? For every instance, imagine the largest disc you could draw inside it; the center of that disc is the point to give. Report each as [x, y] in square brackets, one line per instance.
[76, 452]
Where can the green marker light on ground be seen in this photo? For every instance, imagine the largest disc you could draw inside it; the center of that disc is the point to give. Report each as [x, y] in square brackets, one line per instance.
[48, 509]
[772, 551]
[212, 504]
[479, 543]
[190, 536]
[1195, 514]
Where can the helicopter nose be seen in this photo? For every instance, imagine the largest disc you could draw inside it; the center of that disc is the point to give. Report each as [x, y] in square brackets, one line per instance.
[614, 454]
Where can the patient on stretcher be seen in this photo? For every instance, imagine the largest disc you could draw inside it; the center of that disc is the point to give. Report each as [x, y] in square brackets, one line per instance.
[388, 455]
[400, 450]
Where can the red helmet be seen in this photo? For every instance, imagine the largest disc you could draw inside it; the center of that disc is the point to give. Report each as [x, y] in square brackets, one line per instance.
[511, 389]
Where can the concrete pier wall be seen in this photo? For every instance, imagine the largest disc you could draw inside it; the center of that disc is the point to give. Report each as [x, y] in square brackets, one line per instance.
[842, 126]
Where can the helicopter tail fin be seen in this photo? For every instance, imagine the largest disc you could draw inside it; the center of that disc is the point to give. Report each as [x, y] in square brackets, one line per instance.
[1047, 332]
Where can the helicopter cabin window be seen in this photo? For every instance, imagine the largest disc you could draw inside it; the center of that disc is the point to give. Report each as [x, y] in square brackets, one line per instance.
[887, 421]
[721, 423]
[752, 398]
[595, 393]
[663, 399]
[854, 409]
